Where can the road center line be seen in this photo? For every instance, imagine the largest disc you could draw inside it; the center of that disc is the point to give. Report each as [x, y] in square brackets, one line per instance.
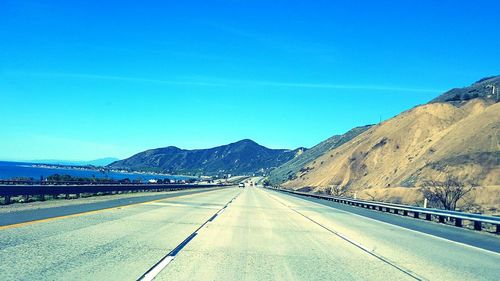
[160, 265]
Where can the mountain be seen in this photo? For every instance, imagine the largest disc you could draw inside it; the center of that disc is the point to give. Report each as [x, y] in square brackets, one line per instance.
[95, 162]
[444, 137]
[487, 89]
[288, 170]
[239, 158]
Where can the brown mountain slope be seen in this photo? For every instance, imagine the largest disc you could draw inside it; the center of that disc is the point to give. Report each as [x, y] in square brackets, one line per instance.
[418, 144]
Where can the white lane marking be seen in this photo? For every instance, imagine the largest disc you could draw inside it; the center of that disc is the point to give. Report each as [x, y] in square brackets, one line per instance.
[153, 272]
[221, 211]
[159, 267]
[343, 236]
[407, 271]
[407, 229]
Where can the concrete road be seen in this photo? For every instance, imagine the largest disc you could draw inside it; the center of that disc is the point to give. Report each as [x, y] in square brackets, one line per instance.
[114, 244]
[234, 234]
[462, 235]
[266, 235]
[23, 213]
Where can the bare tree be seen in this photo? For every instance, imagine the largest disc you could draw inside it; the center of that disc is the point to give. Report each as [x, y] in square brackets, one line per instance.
[446, 193]
[370, 195]
[336, 190]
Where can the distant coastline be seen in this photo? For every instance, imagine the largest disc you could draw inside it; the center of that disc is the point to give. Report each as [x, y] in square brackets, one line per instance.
[100, 169]
[10, 170]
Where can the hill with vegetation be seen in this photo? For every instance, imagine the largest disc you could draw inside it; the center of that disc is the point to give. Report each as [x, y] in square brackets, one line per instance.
[487, 89]
[244, 157]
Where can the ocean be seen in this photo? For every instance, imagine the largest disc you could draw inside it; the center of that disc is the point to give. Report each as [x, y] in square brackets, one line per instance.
[9, 170]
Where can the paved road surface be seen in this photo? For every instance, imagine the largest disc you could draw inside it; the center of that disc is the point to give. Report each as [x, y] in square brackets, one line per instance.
[257, 234]
[466, 236]
[34, 214]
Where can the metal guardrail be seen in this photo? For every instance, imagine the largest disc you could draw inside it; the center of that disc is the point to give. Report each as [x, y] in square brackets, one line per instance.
[8, 191]
[405, 210]
[77, 182]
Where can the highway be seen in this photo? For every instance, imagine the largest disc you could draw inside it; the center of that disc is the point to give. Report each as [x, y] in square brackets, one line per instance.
[233, 234]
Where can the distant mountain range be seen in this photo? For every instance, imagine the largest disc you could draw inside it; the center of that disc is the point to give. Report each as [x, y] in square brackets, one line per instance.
[96, 162]
[240, 158]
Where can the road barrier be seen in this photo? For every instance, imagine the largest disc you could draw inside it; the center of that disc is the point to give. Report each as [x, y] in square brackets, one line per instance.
[8, 191]
[477, 220]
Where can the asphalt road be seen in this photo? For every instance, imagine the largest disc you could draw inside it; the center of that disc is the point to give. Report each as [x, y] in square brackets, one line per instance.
[233, 234]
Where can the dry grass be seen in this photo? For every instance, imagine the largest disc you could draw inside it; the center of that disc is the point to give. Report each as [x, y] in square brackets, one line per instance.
[486, 198]
[427, 142]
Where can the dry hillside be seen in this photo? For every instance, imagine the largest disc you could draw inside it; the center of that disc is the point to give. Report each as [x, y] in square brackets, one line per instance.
[425, 142]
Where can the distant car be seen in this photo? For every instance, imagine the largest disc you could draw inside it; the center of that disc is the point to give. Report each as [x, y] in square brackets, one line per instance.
[242, 185]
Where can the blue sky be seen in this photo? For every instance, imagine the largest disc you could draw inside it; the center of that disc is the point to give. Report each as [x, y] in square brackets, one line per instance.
[90, 79]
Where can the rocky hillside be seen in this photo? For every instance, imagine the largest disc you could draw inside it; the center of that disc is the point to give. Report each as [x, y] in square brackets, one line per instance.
[486, 89]
[289, 170]
[239, 158]
[444, 137]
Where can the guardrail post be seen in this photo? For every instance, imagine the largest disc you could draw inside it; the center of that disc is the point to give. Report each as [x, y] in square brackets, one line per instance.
[6, 200]
[387, 210]
[428, 217]
[498, 229]
[405, 213]
[441, 219]
[458, 222]
[477, 225]
[416, 215]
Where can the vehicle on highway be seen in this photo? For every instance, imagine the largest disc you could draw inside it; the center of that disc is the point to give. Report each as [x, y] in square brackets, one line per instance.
[242, 185]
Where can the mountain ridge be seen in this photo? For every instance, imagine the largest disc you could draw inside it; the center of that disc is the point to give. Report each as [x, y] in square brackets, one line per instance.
[240, 157]
[287, 170]
[487, 88]
[456, 137]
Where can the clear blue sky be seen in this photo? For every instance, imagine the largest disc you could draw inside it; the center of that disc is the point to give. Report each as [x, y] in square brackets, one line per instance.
[90, 79]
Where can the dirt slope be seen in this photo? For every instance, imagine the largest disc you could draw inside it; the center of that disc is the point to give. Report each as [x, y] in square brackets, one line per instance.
[425, 142]
[288, 170]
